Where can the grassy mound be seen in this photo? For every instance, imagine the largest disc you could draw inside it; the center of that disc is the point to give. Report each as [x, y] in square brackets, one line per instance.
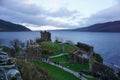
[51, 48]
[97, 57]
[5, 48]
[72, 66]
[63, 58]
[31, 72]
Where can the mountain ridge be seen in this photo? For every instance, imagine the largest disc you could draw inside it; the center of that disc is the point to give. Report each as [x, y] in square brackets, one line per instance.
[102, 27]
[6, 26]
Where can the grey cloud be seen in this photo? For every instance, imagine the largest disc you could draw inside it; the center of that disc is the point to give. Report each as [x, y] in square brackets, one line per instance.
[110, 14]
[62, 12]
[14, 16]
[20, 6]
[17, 11]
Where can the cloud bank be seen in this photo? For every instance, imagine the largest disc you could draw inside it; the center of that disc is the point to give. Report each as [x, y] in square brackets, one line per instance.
[28, 13]
[107, 15]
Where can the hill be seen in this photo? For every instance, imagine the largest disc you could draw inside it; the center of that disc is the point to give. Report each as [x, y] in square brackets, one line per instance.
[8, 26]
[102, 27]
[50, 48]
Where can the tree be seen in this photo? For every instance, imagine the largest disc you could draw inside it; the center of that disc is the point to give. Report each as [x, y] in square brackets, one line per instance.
[16, 45]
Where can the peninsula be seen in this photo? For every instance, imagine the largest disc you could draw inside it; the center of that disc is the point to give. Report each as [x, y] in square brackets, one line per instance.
[53, 59]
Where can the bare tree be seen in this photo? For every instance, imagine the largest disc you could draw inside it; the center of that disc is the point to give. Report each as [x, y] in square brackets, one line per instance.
[16, 45]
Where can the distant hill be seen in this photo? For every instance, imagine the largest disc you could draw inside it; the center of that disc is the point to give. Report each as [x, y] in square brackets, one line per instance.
[102, 27]
[8, 26]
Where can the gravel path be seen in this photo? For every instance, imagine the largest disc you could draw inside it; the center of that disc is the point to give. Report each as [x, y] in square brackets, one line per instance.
[68, 70]
[64, 68]
[58, 55]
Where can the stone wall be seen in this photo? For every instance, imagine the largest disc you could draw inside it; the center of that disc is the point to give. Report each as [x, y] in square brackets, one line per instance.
[104, 72]
[45, 36]
[79, 56]
[85, 47]
[33, 52]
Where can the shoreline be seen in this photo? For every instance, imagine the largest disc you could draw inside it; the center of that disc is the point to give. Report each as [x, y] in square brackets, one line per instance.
[104, 62]
[115, 67]
[111, 65]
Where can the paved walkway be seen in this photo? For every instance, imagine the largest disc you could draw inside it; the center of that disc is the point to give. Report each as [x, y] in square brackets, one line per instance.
[64, 68]
[68, 70]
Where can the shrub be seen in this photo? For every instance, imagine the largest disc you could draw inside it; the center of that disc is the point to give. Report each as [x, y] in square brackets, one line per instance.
[97, 57]
[31, 72]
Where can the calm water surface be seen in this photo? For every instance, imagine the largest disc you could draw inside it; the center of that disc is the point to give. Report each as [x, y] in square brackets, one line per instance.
[106, 44]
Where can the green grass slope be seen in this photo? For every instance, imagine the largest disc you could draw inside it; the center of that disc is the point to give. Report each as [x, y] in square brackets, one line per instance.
[56, 73]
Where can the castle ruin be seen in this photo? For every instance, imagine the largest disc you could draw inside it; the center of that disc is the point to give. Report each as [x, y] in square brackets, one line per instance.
[45, 36]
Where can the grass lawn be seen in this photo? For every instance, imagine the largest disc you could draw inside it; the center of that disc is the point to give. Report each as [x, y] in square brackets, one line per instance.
[69, 47]
[63, 58]
[76, 66]
[72, 66]
[90, 79]
[51, 48]
[56, 73]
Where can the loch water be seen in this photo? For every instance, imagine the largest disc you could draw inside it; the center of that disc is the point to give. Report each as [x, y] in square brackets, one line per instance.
[104, 43]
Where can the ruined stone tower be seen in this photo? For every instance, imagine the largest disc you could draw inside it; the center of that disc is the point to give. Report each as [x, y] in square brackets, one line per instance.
[45, 36]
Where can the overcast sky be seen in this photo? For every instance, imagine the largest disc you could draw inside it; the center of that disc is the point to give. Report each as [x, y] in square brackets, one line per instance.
[59, 14]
